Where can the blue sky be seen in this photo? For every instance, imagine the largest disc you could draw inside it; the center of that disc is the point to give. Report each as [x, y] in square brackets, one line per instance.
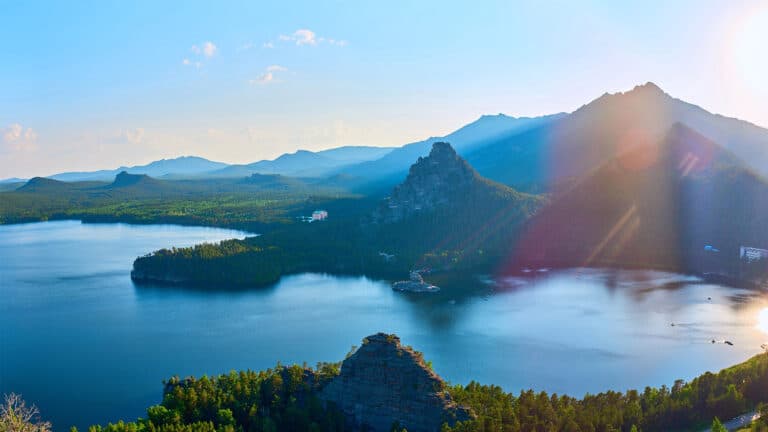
[98, 84]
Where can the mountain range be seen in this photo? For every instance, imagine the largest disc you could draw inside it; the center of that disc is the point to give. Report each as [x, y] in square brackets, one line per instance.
[302, 163]
[531, 154]
[601, 130]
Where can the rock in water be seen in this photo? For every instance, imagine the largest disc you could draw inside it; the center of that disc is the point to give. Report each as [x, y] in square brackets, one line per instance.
[384, 383]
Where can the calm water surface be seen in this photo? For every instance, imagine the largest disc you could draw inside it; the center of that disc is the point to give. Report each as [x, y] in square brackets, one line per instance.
[85, 344]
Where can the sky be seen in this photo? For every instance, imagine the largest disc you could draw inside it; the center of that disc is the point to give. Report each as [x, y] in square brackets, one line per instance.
[98, 84]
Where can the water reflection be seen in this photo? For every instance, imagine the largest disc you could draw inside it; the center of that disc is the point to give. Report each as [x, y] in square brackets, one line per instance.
[566, 331]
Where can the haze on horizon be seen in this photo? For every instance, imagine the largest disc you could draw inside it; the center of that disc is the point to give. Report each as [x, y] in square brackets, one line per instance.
[98, 85]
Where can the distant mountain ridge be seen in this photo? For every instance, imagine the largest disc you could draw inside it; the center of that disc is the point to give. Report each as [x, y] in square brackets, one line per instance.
[184, 165]
[532, 154]
[302, 163]
[393, 167]
[573, 145]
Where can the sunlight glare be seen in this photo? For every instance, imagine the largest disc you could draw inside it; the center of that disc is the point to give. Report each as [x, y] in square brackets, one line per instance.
[762, 320]
[749, 52]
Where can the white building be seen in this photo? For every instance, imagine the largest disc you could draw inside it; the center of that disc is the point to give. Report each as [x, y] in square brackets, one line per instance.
[319, 215]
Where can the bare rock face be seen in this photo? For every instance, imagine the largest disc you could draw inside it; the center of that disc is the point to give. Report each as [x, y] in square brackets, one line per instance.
[432, 181]
[384, 383]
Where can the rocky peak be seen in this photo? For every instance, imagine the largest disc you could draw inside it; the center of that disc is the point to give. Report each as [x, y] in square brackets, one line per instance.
[124, 179]
[432, 181]
[649, 87]
[384, 383]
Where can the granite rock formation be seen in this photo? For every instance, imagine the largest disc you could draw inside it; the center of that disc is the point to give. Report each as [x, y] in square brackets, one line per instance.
[431, 182]
[384, 383]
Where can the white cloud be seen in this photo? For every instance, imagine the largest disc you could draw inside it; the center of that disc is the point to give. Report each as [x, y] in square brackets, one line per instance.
[268, 45]
[12, 132]
[204, 51]
[132, 136]
[30, 135]
[268, 77]
[307, 37]
[209, 49]
[16, 138]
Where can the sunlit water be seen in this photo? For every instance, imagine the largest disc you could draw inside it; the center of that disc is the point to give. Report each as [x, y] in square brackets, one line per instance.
[87, 346]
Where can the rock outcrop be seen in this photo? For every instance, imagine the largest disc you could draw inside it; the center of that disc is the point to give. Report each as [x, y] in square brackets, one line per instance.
[123, 179]
[431, 182]
[384, 383]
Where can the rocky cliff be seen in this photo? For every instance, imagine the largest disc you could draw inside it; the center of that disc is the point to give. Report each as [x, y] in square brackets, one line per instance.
[432, 181]
[384, 383]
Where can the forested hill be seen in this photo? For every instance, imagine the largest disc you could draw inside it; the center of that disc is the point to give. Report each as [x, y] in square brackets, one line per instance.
[656, 206]
[443, 216]
[253, 204]
[288, 399]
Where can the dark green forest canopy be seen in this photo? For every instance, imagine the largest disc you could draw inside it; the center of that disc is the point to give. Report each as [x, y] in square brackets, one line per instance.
[349, 243]
[253, 204]
[285, 399]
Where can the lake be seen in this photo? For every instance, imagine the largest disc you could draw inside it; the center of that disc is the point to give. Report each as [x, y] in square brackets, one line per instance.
[86, 345]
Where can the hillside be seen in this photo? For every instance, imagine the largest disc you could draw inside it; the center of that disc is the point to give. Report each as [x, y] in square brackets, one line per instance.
[384, 386]
[578, 143]
[246, 203]
[444, 215]
[657, 205]
[393, 167]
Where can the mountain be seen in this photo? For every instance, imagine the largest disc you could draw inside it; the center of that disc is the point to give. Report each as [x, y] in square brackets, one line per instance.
[181, 166]
[126, 180]
[393, 167]
[444, 215]
[299, 163]
[12, 180]
[384, 383]
[304, 163]
[571, 146]
[355, 154]
[42, 184]
[274, 182]
[654, 206]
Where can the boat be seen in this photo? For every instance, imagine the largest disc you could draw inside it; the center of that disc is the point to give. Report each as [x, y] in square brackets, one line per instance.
[415, 284]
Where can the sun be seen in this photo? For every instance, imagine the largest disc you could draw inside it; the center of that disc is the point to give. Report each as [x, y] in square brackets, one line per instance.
[750, 63]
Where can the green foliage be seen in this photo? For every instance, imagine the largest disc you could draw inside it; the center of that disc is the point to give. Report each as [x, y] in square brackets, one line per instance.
[686, 406]
[487, 220]
[717, 426]
[285, 399]
[233, 203]
[279, 399]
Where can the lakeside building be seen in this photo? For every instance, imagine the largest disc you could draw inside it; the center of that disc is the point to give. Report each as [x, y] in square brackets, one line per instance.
[319, 215]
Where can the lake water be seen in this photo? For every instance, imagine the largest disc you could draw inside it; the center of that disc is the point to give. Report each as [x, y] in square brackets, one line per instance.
[86, 345]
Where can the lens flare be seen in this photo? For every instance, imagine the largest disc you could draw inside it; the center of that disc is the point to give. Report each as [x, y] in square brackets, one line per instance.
[751, 65]
[762, 321]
